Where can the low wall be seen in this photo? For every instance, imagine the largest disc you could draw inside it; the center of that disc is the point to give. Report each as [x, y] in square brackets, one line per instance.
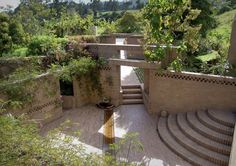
[182, 92]
[45, 105]
[109, 78]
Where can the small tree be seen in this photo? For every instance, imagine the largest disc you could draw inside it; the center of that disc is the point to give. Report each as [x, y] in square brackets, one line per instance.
[16, 32]
[5, 38]
[129, 23]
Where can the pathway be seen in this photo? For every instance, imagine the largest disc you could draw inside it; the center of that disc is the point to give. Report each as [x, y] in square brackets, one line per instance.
[128, 76]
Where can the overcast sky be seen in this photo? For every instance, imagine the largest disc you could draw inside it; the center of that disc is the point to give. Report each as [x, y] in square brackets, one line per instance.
[14, 3]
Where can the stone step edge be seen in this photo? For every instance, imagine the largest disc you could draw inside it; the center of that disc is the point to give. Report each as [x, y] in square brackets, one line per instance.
[204, 141]
[184, 152]
[229, 124]
[210, 155]
[214, 127]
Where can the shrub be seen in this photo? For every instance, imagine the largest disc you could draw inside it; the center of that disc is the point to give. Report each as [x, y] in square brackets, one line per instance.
[46, 45]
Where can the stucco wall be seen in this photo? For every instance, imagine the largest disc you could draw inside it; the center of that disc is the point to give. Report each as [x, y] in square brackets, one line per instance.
[182, 92]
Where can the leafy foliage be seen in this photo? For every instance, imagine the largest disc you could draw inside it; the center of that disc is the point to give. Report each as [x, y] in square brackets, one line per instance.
[44, 45]
[21, 145]
[5, 38]
[169, 23]
[129, 23]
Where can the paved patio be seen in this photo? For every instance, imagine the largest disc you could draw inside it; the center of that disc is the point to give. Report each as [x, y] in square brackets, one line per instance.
[130, 118]
[134, 118]
[88, 121]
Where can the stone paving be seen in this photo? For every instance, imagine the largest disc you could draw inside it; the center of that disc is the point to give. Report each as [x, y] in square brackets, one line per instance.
[134, 118]
[131, 118]
[88, 121]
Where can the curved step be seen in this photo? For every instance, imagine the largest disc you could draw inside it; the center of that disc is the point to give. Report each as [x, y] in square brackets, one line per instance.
[218, 127]
[223, 117]
[177, 148]
[200, 139]
[193, 146]
[207, 132]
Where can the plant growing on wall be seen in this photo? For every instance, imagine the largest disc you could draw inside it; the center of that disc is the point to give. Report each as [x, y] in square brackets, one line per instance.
[84, 68]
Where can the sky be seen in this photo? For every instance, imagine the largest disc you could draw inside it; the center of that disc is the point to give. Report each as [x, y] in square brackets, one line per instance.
[15, 3]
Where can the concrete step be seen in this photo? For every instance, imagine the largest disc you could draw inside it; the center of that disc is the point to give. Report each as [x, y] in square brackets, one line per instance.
[192, 146]
[200, 139]
[132, 101]
[179, 149]
[132, 96]
[224, 117]
[132, 91]
[130, 86]
[207, 132]
[218, 127]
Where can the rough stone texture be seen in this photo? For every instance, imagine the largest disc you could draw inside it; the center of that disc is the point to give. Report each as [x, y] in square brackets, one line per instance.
[232, 49]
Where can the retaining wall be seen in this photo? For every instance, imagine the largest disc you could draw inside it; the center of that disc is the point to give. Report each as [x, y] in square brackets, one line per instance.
[45, 105]
[182, 92]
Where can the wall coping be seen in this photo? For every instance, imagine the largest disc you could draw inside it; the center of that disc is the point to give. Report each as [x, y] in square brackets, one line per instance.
[198, 77]
[123, 46]
[23, 80]
[134, 63]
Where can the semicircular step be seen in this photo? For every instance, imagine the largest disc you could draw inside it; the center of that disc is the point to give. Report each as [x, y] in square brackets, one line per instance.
[200, 139]
[224, 117]
[192, 146]
[218, 127]
[207, 132]
[170, 142]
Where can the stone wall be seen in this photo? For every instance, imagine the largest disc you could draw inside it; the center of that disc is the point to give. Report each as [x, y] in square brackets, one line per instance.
[182, 92]
[45, 105]
[110, 82]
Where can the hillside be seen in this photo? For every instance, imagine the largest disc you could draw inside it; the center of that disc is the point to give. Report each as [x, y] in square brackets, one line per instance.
[219, 37]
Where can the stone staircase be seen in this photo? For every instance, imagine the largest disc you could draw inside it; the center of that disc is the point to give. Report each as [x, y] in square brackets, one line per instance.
[202, 138]
[132, 94]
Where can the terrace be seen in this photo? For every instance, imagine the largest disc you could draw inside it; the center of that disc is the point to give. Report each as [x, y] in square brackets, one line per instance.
[182, 118]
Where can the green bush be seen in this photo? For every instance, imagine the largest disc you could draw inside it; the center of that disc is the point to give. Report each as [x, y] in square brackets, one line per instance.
[21, 145]
[46, 45]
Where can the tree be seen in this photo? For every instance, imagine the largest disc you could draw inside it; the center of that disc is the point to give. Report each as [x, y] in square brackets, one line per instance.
[205, 18]
[5, 38]
[16, 32]
[129, 23]
[169, 23]
[95, 6]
